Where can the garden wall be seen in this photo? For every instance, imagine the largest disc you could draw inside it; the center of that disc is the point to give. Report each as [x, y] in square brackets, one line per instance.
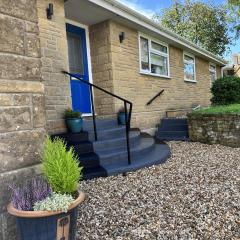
[215, 129]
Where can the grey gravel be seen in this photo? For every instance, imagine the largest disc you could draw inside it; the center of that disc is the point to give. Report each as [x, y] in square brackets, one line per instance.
[194, 195]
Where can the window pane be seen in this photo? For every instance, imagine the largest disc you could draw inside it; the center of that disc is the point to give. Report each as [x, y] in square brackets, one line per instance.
[159, 65]
[189, 71]
[188, 58]
[144, 54]
[212, 68]
[75, 54]
[159, 47]
[212, 76]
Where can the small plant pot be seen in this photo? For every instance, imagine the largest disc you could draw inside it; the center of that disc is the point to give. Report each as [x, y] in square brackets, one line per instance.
[74, 125]
[47, 225]
[121, 118]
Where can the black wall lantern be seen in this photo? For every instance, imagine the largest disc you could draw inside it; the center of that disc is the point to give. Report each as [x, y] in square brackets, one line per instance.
[121, 37]
[50, 11]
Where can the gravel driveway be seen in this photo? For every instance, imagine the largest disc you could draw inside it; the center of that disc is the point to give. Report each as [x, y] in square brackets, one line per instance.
[194, 195]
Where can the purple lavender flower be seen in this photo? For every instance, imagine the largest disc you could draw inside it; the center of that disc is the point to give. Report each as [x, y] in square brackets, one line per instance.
[34, 190]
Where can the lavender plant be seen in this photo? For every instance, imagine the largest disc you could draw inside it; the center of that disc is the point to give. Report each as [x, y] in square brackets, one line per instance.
[34, 190]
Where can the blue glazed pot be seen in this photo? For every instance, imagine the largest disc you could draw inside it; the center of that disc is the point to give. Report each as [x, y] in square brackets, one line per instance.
[74, 125]
[47, 225]
[121, 118]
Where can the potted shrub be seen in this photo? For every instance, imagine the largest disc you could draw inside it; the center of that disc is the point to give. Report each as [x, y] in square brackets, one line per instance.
[73, 120]
[46, 207]
[121, 116]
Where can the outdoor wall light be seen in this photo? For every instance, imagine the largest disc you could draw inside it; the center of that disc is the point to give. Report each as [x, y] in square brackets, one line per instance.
[50, 11]
[121, 37]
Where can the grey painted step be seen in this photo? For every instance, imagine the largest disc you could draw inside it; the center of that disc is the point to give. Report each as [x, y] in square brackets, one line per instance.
[173, 138]
[159, 154]
[171, 127]
[82, 147]
[134, 137]
[120, 155]
[173, 121]
[100, 124]
[173, 134]
[111, 133]
[72, 138]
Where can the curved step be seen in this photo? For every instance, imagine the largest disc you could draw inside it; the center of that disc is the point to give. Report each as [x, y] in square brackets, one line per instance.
[100, 124]
[90, 173]
[104, 134]
[159, 154]
[120, 155]
[115, 143]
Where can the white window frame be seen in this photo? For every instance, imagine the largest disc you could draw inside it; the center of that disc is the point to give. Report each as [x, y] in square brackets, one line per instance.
[150, 50]
[210, 71]
[194, 67]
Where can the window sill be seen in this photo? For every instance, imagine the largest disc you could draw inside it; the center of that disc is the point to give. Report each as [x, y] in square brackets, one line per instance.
[155, 75]
[192, 81]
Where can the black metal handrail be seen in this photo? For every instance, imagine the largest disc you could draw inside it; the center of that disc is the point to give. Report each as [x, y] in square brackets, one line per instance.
[152, 99]
[128, 114]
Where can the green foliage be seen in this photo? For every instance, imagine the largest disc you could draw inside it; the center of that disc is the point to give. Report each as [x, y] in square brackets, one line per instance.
[56, 202]
[225, 91]
[202, 24]
[69, 113]
[234, 7]
[60, 166]
[225, 109]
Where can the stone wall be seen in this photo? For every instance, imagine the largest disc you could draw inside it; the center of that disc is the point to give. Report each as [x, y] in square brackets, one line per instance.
[215, 129]
[22, 106]
[54, 59]
[102, 67]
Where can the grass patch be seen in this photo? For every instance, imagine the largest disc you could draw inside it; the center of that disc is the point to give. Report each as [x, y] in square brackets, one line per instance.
[231, 109]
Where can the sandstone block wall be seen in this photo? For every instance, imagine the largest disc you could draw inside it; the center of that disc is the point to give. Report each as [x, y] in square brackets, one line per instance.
[102, 67]
[215, 129]
[22, 103]
[116, 66]
[54, 59]
[139, 88]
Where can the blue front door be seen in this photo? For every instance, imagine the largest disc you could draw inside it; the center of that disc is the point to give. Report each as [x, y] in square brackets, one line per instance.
[78, 64]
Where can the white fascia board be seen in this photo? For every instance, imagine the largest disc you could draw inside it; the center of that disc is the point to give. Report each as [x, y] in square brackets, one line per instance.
[131, 15]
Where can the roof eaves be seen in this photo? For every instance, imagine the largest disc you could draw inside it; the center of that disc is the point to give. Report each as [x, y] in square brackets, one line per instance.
[184, 41]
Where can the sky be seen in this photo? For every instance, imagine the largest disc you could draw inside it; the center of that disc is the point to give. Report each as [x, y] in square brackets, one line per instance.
[149, 7]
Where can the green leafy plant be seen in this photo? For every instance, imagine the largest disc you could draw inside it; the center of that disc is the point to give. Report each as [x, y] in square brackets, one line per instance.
[225, 91]
[69, 113]
[55, 202]
[61, 166]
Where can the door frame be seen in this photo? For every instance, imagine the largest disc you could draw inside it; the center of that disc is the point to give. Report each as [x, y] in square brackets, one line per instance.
[86, 28]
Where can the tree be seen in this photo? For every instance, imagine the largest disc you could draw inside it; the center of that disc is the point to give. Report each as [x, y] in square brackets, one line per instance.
[204, 25]
[234, 6]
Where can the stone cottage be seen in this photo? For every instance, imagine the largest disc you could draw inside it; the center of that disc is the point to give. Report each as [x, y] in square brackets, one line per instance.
[105, 43]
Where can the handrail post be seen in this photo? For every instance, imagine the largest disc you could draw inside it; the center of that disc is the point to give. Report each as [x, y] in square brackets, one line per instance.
[93, 112]
[127, 132]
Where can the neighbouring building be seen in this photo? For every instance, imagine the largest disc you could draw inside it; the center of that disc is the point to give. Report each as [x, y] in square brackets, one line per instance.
[102, 41]
[233, 69]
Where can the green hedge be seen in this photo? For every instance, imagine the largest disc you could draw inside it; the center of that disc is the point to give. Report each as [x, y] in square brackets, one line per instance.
[226, 91]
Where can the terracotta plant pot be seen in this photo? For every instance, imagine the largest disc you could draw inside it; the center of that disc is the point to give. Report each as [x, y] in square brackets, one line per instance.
[47, 225]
